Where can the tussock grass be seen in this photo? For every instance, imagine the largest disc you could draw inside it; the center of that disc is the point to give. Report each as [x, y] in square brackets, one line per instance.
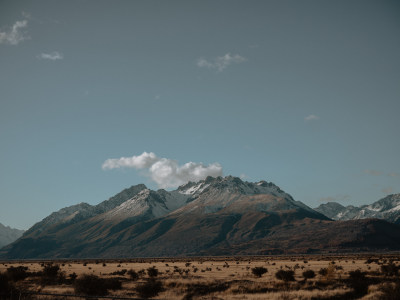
[311, 277]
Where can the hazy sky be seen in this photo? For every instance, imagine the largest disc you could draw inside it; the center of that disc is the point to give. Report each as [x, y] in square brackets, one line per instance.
[305, 94]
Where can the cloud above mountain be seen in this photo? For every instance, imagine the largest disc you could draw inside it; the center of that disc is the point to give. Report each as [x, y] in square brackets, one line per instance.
[167, 173]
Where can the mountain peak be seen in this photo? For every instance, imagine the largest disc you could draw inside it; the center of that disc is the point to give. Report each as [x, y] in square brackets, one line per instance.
[232, 184]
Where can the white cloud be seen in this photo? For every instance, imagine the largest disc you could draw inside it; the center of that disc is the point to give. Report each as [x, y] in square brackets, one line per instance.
[311, 118]
[167, 173]
[51, 56]
[221, 62]
[15, 35]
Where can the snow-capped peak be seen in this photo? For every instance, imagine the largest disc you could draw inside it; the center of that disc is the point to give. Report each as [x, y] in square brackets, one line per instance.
[193, 189]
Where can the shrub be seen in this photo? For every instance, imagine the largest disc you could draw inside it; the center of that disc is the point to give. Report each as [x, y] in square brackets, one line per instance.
[51, 271]
[152, 272]
[356, 275]
[51, 274]
[390, 269]
[308, 274]
[90, 285]
[285, 275]
[4, 284]
[133, 274]
[259, 271]
[112, 283]
[150, 288]
[122, 272]
[200, 289]
[7, 289]
[72, 276]
[17, 273]
[323, 271]
[358, 282]
[390, 291]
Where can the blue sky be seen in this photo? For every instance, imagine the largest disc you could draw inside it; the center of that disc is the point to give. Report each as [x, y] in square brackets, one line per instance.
[305, 94]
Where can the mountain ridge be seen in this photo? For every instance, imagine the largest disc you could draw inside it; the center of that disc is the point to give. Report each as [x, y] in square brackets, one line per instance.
[214, 216]
[387, 208]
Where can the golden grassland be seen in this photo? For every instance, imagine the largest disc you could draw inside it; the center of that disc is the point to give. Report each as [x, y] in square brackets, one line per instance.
[227, 277]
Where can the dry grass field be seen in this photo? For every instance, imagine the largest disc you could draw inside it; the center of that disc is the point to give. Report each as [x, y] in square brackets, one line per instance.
[302, 277]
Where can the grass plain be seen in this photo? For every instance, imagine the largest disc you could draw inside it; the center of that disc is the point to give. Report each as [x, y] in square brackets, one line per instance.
[332, 277]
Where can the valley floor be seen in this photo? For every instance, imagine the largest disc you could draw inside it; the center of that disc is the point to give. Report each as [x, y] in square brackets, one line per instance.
[327, 277]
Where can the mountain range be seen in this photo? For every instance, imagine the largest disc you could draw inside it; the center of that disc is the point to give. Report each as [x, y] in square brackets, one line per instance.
[215, 216]
[387, 208]
[9, 235]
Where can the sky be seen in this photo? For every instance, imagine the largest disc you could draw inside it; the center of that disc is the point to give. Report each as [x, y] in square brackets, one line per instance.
[96, 96]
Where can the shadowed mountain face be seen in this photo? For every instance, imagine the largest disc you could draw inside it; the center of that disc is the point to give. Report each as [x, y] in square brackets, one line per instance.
[215, 216]
[387, 208]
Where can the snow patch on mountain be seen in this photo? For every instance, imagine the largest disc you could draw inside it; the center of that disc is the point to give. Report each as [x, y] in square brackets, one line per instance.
[198, 188]
[146, 202]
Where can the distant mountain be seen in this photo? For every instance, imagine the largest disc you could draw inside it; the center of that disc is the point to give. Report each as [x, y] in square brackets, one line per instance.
[387, 209]
[215, 216]
[9, 235]
[75, 213]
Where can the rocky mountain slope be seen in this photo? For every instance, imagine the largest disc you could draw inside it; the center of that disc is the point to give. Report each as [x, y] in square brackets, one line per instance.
[75, 213]
[387, 209]
[215, 216]
[9, 235]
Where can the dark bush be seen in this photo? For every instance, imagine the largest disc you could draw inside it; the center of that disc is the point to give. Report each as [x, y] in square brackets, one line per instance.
[7, 289]
[72, 277]
[259, 271]
[141, 272]
[17, 273]
[51, 271]
[51, 275]
[390, 291]
[357, 275]
[369, 260]
[308, 274]
[133, 274]
[4, 283]
[390, 269]
[199, 289]
[323, 271]
[90, 285]
[358, 282]
[150, 288]
[285, 275]
[112, 283]
[152, 272]
[122, 272]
